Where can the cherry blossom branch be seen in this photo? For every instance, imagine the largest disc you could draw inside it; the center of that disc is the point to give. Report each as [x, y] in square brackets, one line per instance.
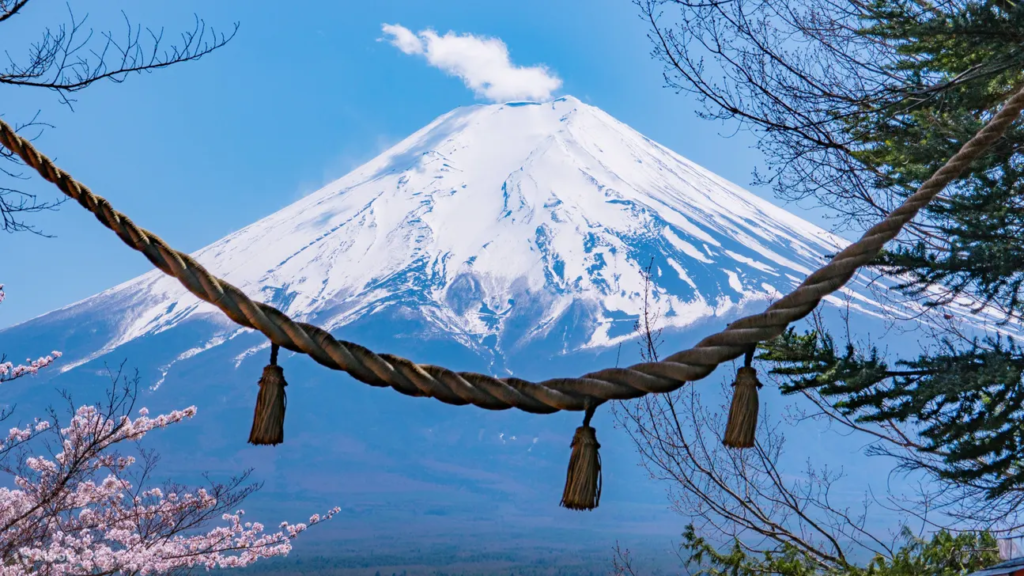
[8, 371]
[77, 510]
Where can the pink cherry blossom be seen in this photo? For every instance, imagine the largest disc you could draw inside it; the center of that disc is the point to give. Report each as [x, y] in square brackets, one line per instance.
[78, 512]
[8, 371]
[77, 508]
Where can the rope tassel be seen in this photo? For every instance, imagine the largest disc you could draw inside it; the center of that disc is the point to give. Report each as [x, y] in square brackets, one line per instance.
[742, 424]
[268, 420]
[583, 479]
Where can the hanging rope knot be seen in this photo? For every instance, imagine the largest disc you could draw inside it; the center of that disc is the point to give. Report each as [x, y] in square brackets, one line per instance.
[742, 424]
[268, 420]
[583, 479]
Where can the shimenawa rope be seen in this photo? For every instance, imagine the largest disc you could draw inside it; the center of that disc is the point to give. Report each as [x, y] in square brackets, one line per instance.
[501, 393]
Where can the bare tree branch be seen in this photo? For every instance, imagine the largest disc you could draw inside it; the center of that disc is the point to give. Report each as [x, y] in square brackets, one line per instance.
[8, 8]
[70, 58]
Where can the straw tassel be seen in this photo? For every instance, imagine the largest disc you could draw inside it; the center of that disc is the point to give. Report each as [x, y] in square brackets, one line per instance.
[739, 430]
[268, 420]
[583, 479]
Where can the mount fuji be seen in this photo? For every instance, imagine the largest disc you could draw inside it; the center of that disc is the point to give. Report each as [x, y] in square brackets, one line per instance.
[507, 238]
[495, 226]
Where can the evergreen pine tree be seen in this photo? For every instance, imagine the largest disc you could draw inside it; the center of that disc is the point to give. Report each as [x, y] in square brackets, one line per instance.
[855, 104]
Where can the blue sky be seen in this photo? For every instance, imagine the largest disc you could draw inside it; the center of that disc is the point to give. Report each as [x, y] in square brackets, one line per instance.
[296, 100]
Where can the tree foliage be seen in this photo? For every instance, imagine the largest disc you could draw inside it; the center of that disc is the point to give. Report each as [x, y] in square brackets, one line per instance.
[854, 104]
[944, 554]
[963, 400]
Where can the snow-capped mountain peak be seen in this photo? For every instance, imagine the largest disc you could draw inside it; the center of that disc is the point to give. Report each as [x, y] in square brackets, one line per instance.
[496, 224]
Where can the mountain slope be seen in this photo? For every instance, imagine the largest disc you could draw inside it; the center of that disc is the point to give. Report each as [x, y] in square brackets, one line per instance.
[498, 226]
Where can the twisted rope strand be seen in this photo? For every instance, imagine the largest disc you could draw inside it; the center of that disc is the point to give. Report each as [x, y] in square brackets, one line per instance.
[485, 391]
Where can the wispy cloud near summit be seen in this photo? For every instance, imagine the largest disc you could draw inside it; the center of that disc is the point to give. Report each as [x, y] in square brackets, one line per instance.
[482, 63]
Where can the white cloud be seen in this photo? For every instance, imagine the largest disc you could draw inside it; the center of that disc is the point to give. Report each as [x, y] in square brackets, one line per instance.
[403, 39]
[482, 63]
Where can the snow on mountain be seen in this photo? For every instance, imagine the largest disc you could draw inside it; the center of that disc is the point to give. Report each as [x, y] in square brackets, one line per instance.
[494, 223]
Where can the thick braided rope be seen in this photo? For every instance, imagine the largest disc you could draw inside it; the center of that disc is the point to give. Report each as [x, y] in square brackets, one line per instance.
[501, 393]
